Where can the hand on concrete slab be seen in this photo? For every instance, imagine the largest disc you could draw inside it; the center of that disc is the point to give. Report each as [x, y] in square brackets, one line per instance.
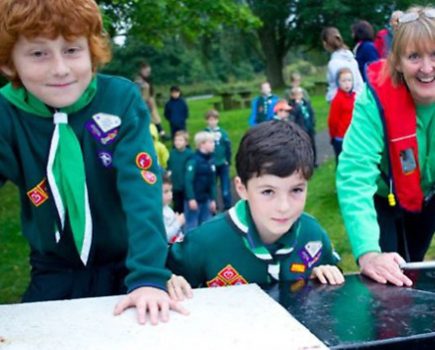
[152, 301]
[178, 288]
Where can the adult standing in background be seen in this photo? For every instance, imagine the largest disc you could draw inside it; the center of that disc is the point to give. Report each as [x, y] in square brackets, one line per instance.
[144, 81]
[341, 57]
[384, 37]
[364, 50]
[386, 172]
[262, 106]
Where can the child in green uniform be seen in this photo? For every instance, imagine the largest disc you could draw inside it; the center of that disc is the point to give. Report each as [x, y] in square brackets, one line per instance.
[266, 236]
[77, 145]
[222, 155]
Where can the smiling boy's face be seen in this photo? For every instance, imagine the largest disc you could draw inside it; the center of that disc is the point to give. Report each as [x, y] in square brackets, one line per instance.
[275, 203]
[56, 71]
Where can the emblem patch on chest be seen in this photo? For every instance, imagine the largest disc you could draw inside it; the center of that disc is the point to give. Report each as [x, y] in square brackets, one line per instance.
[38, 194]
[228, 276]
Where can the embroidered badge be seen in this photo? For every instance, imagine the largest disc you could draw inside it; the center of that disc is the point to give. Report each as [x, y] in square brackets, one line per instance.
[297, 268]
[106, 158]
[313, 248]
[106, 122]
[149, 177]
[38, 194]
[228, 276]
[144, 161]
[216, 282]
[99, 135]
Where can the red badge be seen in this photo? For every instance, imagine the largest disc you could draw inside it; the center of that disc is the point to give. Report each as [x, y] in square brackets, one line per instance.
[38, 194]
[143, 160]
[238, 281]
[228, 273]
[149, 177]
[216, 282]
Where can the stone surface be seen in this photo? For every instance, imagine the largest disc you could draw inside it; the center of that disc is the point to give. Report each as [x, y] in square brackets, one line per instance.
[241, 317]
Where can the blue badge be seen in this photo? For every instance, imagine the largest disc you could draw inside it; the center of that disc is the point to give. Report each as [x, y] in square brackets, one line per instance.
[106, 158]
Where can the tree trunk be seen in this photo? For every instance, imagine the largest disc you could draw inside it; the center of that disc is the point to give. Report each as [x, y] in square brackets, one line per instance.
[273, 57]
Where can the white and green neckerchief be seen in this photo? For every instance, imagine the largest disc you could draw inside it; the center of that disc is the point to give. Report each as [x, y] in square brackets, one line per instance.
[65, 169]
[241, 217]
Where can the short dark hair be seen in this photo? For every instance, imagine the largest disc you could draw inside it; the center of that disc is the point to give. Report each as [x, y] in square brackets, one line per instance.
[175, 88]
[166, 178]
[362, 30]
[277, 148]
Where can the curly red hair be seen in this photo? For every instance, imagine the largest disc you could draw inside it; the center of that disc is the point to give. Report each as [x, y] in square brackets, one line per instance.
[51, 18]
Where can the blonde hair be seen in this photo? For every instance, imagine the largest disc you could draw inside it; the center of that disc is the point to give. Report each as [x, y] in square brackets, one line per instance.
[212, 113]
[202, 137]
[51, 18]
[418, 35]
[182, 133]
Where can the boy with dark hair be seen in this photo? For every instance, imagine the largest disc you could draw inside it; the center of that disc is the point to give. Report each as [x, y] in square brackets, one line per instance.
[176, 111]
[266, 236]
[178, 158]
[77, 145]
[222, 155]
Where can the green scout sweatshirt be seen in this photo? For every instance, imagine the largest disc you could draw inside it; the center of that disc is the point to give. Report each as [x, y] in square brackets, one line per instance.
[122, 177]
[222, 150]
[227, 250]
[177, 165]
[360, 164]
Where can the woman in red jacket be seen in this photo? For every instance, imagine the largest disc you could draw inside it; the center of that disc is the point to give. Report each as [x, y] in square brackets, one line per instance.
[340, 113]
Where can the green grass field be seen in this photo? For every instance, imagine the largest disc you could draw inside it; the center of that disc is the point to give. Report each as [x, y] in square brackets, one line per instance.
[322, 202]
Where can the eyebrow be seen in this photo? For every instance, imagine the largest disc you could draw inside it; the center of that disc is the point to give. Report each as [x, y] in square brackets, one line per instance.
[271, 186]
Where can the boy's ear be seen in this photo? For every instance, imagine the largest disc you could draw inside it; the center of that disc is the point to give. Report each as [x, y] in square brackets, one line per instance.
[240, 188]
[7, 71]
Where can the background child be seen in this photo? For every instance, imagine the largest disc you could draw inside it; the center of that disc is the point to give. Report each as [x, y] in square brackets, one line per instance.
[282, 110]
[200, 182]
[176, 111]
[266, 236]
[222, 155]
[91, 214]
[178, 158]
[303, 114]
[161, 149]
[262, 106]
[340, 113]
[296, 81]
[173, 221]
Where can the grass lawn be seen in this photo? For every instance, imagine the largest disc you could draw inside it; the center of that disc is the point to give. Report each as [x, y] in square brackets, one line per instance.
[322, 202]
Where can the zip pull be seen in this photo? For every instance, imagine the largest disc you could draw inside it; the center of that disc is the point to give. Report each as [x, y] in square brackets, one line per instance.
[391, 197]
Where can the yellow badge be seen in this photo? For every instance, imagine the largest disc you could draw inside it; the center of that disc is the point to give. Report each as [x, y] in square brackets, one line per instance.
[298, 268]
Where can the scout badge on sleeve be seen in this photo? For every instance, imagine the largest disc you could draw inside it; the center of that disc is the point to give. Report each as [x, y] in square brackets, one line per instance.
[228, 276]
[104, 127]
[38, 194]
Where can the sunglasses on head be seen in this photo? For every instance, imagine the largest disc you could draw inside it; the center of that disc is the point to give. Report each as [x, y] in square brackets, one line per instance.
[413, 16]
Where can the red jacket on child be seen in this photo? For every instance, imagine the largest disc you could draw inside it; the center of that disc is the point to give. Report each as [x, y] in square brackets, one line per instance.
[340, 113]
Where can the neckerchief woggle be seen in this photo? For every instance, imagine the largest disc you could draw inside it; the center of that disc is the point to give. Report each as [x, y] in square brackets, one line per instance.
[65, 168]
[240, 216]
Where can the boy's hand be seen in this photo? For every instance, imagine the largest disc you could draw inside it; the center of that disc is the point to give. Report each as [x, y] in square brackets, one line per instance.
[328, 274]
[153, 301]
[180, 218]
[193, 205]
[179, 288]
[383, 268]
[213, 206]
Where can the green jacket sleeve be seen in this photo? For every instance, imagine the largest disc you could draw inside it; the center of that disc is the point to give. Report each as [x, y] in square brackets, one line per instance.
[185, 258]
[358, 173]
[189, 178]
[140, 193]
